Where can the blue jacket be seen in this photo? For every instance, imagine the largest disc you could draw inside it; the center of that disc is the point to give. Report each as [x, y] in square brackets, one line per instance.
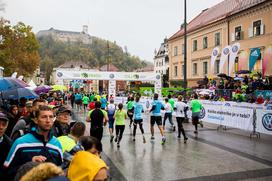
[30, 145]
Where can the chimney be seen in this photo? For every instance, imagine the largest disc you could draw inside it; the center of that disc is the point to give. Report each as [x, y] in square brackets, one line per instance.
[85, 29]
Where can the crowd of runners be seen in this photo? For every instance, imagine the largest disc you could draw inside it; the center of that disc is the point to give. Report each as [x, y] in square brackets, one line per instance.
[35, 132]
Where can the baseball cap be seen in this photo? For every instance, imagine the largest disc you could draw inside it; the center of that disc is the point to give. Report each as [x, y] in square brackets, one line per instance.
[3, 117]
[63, 109]
[29, 104]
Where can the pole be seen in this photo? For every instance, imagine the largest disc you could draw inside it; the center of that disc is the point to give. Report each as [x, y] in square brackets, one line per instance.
[185, 45]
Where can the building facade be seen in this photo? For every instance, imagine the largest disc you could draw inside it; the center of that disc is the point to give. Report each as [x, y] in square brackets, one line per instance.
[161, 59]
[244, 21]
[67, 36]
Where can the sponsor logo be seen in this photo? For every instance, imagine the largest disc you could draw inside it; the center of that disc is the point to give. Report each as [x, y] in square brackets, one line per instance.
[136, 76]
[234, 49]
[254, 53]
[59, 74]
[84, 75]
[202, 113]
[158, 77]
[226, 51]
[227, 104]
[215, 53]
[111, 76]
[267, 121]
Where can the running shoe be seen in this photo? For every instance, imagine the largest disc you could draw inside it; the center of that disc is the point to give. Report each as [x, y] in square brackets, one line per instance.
[195, 132]
[111, 139]
[201, 124]
[163, 141]
[152, 138]
[174, 128]
[118, 145]
[133, 139]
[185, 140]
[144, 141]
[179, 137]
[115, 139]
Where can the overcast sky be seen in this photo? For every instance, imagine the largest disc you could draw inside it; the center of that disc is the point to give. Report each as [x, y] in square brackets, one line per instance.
[141, 25]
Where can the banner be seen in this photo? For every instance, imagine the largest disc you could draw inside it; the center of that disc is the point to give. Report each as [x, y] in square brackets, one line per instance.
[225, 115]
[255, 54]
[264, 121]
[267, 58]
[233, 53]
[214, 55]
[112, 88]
[224, 56]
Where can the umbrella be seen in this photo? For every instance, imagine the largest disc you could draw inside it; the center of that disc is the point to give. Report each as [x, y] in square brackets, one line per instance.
[9, 83]
[59, 87]
[222, 75]
[243, 72]
[238, 78]
[42, 89]
[18, 93]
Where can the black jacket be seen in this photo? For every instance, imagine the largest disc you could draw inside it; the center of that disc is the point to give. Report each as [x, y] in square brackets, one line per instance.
[5, 146]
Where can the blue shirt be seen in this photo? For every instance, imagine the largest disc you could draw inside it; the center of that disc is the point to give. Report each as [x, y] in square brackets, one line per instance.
[138, 109]
[78, 97]
[103, 102]
[158, 106]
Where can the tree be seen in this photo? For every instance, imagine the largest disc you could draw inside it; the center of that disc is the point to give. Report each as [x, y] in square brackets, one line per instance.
[18, 49]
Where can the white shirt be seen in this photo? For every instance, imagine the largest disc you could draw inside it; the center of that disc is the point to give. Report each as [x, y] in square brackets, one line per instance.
[180, 106]
[168, 108]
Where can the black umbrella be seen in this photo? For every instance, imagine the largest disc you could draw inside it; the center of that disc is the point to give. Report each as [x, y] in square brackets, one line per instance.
[243, 72]
[222, 75]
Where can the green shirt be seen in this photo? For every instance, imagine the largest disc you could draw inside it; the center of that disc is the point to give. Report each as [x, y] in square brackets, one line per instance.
[67, 143]
[104, 112]
[172, 103]
[130, 104]
[120, 117]
[92, 97]
[85, 100]
[196, 105]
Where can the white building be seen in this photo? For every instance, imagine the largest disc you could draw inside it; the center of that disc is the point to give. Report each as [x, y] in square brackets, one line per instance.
[161, 60]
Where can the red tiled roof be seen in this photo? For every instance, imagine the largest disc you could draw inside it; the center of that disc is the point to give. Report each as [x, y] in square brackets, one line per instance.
[218, 12]
[112, 68]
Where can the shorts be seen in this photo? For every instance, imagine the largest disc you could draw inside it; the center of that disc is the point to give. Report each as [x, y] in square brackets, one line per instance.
[78, 102]
[111, 121]
[157, 119]
[138, 121]
[195, 118]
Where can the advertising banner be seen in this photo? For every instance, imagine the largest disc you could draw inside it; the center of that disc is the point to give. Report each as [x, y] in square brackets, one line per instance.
[112, 88]
[255, 54]
[264, 121]
[224, 56]
[233, 53]
[225, 115]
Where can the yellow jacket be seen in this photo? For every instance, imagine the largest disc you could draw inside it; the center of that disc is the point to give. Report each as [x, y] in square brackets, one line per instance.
[84, 166]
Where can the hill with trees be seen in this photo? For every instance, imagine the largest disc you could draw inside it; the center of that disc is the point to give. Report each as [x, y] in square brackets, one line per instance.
[96, 54]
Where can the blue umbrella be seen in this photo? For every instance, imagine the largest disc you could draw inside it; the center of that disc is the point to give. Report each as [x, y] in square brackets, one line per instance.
[8, 83]
[18, 93]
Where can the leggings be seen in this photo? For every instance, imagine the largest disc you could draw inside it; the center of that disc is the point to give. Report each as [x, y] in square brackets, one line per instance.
[180, 126]
[169, 116]
[140, 122]
[119, 132]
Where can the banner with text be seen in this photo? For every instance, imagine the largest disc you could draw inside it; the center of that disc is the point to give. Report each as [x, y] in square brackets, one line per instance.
[264, 121]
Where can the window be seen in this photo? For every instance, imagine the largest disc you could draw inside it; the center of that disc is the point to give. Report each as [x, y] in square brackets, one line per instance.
[217, 39]
[236, 64]
[238, 33]
[182, 46]
[176, 71]
[257, 27]
[175, 51]
[194, 68]
[182, 70]
[195, 45]
[217, 62]
[205, 42]
[205, 68]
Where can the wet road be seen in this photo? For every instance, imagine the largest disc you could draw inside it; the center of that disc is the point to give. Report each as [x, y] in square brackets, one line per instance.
[212, 155]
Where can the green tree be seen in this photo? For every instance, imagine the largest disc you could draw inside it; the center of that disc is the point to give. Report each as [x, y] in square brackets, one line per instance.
[18, 49]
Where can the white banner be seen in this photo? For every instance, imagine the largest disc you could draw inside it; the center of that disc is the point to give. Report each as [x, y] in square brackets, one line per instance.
[214, 55]
[264, 121]
[241, 118]
[91, 75]
[224, 56]
[112, 88]
[233, 53]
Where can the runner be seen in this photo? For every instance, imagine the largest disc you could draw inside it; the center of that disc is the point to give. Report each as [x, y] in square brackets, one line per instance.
[130, 109]
[168, 114]
[85, 101]
[138, 118]
[111, 108]
[156, 118]
[180, 108]
[120, 117]
[196, 108]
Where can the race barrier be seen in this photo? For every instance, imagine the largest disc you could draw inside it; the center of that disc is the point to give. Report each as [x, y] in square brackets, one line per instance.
[245, 116]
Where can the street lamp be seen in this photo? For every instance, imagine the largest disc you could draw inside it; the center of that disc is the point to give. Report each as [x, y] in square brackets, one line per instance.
[185, 46]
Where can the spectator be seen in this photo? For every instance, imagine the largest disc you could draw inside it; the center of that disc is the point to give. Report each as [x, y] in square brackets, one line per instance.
[69, 141]
[61, 125]
[38, 146]
[5, 143]
[13, 116]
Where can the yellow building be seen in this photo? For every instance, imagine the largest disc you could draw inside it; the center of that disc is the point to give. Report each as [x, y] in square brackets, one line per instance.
[244, 21]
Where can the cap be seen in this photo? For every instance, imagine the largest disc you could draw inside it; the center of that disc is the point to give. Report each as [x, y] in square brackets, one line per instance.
[3, 117]
[63, 109]
[29, 104]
